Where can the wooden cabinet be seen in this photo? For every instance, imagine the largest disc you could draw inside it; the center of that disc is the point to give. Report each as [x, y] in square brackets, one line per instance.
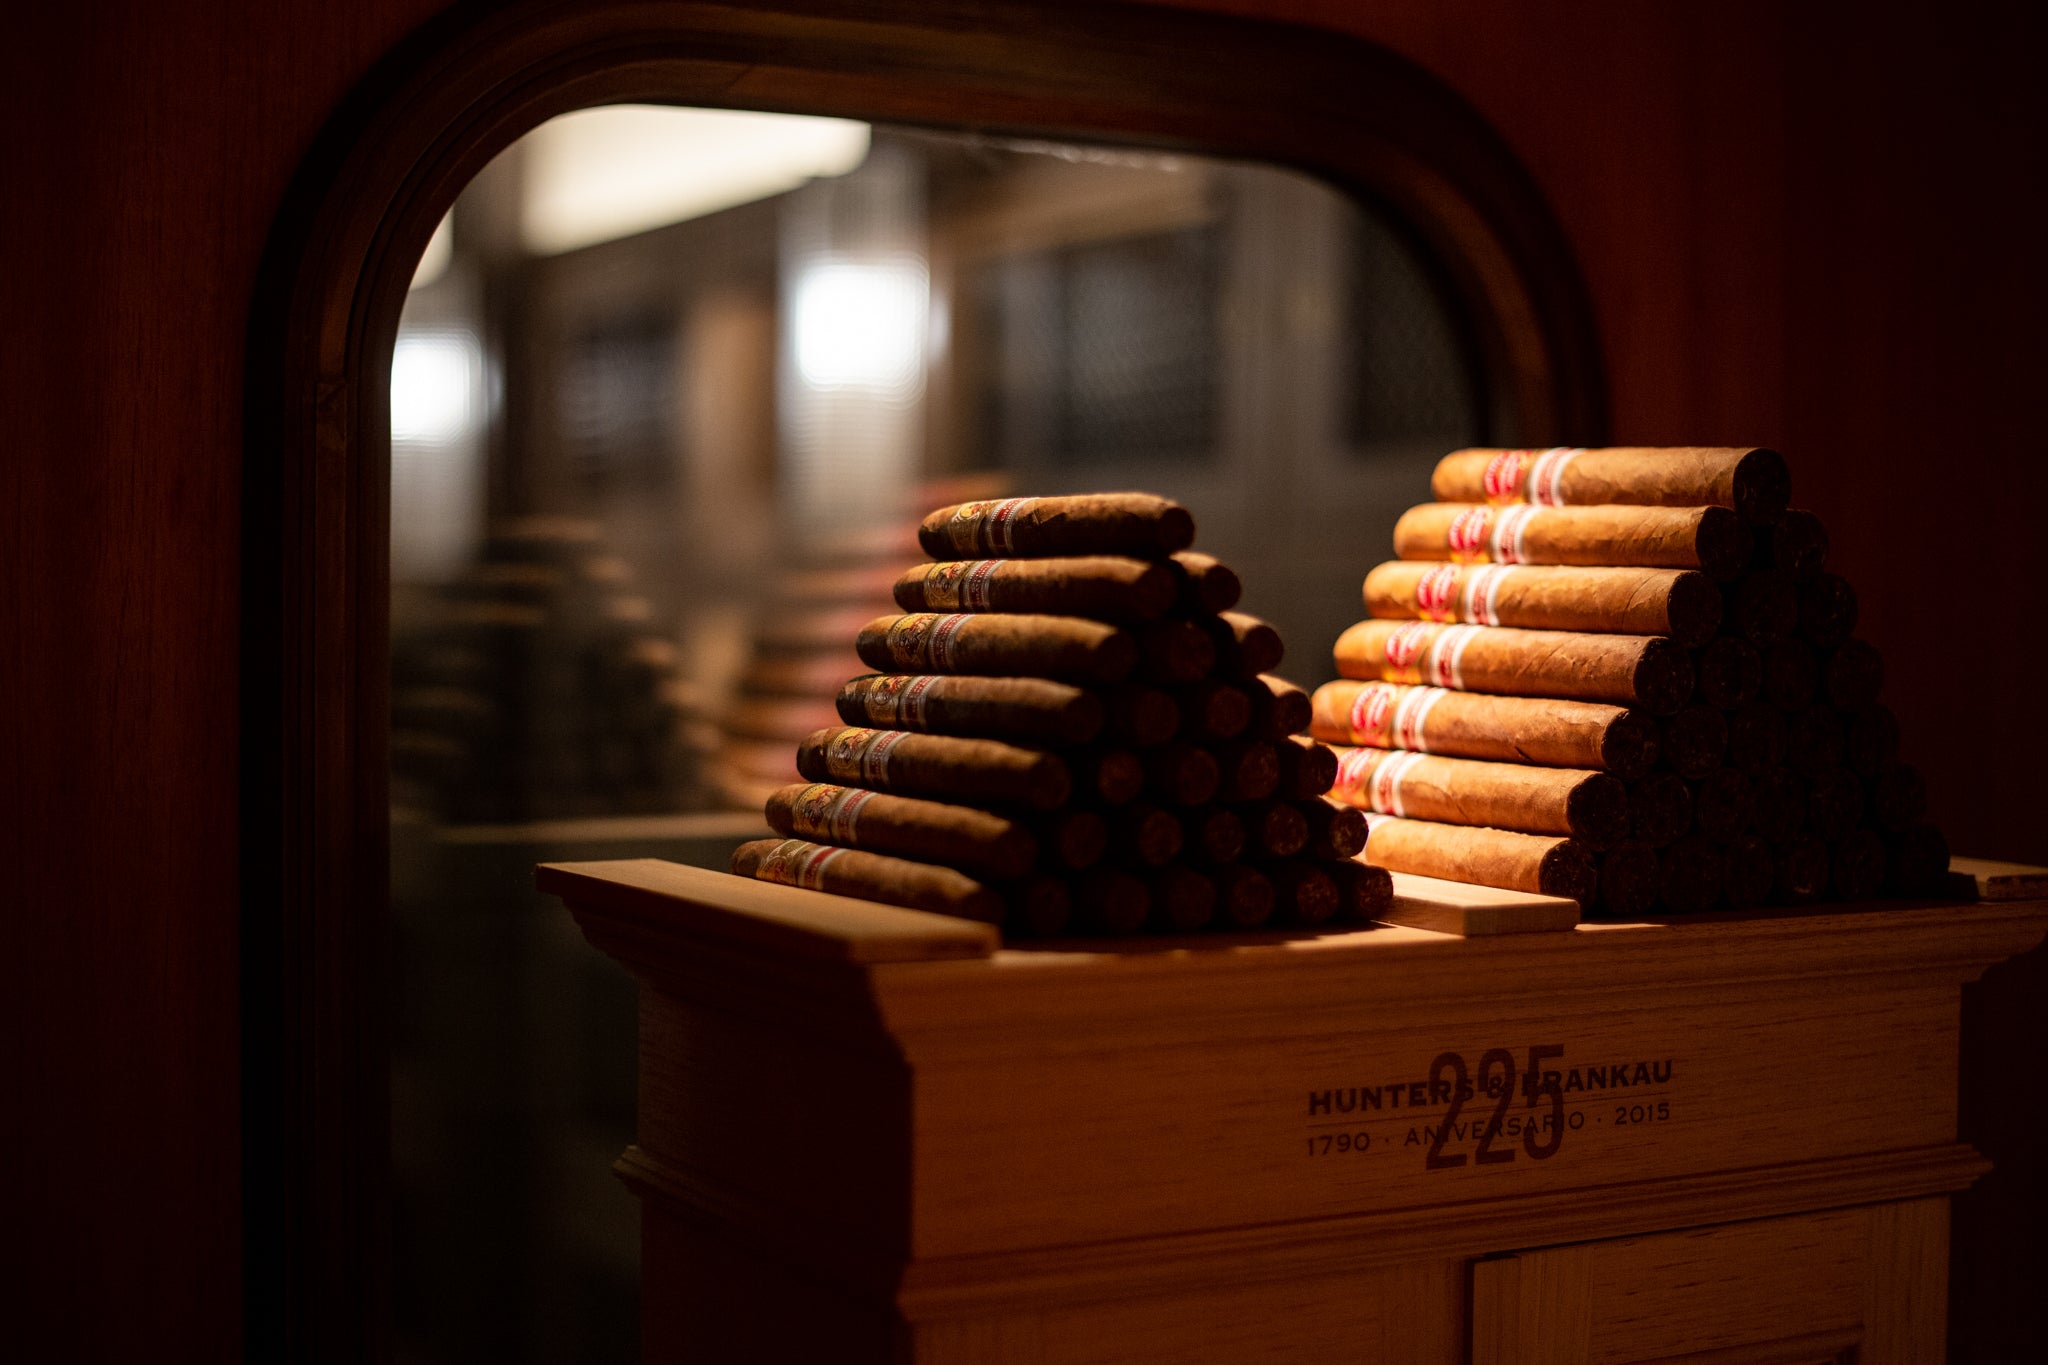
[869, 1134]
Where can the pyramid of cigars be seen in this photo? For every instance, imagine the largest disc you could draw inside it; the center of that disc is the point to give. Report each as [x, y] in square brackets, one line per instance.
[1072, 732]
[1624, 676]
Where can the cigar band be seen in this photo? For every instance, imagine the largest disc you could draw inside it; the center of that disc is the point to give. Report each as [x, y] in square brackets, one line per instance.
[842, 816]
[1447, 655]
[905, 640]
[1404, 649]
[812, 809]
[910, 699]
[959, 585]
[1467, 536]
[939, 644]
[843, 751]
[974, 587]
[1503, 479]
[1384, 789]
[1505, 544]
[882, 697]
[1436, 593]
[985, 527]
[1354, 771]
[1546, 481]
[794, 862]
[1480, 604]
[873, 763]
[1411, 715]
[1370, 711]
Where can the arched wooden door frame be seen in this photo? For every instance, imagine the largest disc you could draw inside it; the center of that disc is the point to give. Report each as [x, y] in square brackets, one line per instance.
[317, 468]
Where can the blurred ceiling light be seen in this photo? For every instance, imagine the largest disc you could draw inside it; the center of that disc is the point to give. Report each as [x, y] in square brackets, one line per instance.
[861, 326]
[434, 260]
[600, 174]
[433, 383]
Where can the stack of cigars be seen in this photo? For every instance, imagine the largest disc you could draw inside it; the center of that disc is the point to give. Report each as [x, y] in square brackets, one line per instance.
[1071, 731]
[1624, 676]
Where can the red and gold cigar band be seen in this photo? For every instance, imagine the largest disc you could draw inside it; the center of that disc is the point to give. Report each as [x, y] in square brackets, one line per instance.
[1372, 778]
[830, 811]
[1388, 716]
[897, 700]
[1481, 533]
[1503, 478]
[795, 862]
[1457, 592]
[1420, 651]
[1436, 593]
[862, 756]
[1468, 534]
[961, 584]
[923, 641]
[1480, 602]
[986, 527]
[1404, 651]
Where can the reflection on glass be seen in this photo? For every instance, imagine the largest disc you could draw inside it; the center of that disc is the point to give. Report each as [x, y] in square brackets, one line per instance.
[670, 388]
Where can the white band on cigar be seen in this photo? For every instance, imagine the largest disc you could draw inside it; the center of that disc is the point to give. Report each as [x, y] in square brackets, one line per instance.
[1505, 545]
[938, 645]
[842, 817]
[1546, 480]
[1384, 790]
[910, 702]
[1001, 524]
[1482, 594]
[795, 862]
[1411, 713]
[974, 584]
[1442, 665]
[874, 755]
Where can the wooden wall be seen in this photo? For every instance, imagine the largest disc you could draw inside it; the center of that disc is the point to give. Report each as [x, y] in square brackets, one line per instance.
[1816, 231]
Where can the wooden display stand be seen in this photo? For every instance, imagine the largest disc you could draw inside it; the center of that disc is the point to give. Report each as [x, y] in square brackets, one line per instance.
[869, 1134]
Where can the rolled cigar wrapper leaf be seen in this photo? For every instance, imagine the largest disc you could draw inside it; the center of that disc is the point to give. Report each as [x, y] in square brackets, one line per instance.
[1274, 829]
[1916, 861]
[1781, 805]
[1791, 675]
[1827, 610]
[1140, 716]
[1711, 539]
[1174, 652]
[1695, 741]
[1212, 709]
[1073, 838]
[1649, 671]
[1834, 804]
[1798, 545]
[1110, 901]
[904, 763]
[1483, 857]
[1244, 897]
[1628, 880]
[1660, 809]
[1815, 740]
[1682, 603]
[1214, 835]
[1304, 894]
[869, 876]
[1363, 892]
[1278, 708]
[1694, 875]
[1180, 774]
[1762, 607]
[1063, 648]
[1590, 807]
[1307, 768]
[974, 841]
[1853, 675]
[1723, 805]
[1753, 482]
[1751, 867]
[1109, 776]
[1140, 524]
[1758, 737]
[1245, 646]
[1028, 710]
[1246, 770]
[1730, 673]
[1206, 585]
[1111, 588]
[1146, 833]
[1183, 900]
[1555, 734]
[1856, 866]
[1038, 907]
[1801, 874]
[1335, 830]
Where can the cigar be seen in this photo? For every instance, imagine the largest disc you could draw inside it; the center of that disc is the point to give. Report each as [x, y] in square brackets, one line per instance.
[1871, 743]
[1245, 645]
[869, 876]
[1063, 648]
[1592, 808]
[1757, 737]
[1791, 675]
[1798, 544]
[1898, 800]
[1275, 829]
[1751, 481]
[1183, 900]
[1632, 670]
[1916, 860]
[1212, 709]
[974, 841]
[1556, 734]
[903, 763]
[1140, 716]
[1660, 809]
[1834, 804]
[1801, 874]
[1853, 675]
[1205, 584]
[1111, 588]
[1827, 610]
[1730, 672]
[1856, 866]
[1682, 603]
[1307, 768]
[1780, 801]
[1628, 880]
[1751, 866]
[1815, 739]
[1363, 893]
[1028, 710]
[1278, 708]
[1146, 833]
[1712, 539]
[799, 675]
[1303, 894]
[1175, 651]
[1110, 776]
[1110, 901]
[1138, 524]
[1181, 774]
[1214, 835]
[1334, 830]
[778, 718]
[1762, 607]
[1246, 770]
[1693, 876]
[1723, 805]
[1039, 906]
[1695, 741]
[1071, 838]
[1244, 898]
[1483, 857]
